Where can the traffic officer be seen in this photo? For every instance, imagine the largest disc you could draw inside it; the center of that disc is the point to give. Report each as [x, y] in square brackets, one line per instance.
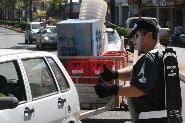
[147, 88]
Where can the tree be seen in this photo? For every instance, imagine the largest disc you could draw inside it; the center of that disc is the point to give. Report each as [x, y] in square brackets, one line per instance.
[40, 14]
[56, 2]
[19, 6]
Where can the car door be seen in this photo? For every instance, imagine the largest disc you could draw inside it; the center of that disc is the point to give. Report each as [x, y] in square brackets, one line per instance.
[47, 101]
[27, 32]
[39, 34]
[23, 113]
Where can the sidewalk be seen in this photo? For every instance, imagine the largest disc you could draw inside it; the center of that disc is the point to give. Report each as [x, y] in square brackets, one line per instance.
[15, 29]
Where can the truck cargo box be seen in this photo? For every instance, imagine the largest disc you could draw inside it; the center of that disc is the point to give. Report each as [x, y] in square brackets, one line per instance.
[79, 37]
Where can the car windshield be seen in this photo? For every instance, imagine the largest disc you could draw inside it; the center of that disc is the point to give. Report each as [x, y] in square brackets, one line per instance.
[132, 23]
[49, 29]
[36, 26]
[113, 37]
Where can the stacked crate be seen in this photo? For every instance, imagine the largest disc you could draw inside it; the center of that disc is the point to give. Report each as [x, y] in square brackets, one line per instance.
[79, 38]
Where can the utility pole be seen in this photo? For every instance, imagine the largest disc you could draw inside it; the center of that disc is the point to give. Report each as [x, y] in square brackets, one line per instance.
[71, 10]
[112, 11]
[30, 10]
[140, 8]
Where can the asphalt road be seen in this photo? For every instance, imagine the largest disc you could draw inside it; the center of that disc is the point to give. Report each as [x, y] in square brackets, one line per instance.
[10, 39]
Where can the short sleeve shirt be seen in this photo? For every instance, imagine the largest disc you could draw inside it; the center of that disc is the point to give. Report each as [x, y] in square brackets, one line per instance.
[148, 76]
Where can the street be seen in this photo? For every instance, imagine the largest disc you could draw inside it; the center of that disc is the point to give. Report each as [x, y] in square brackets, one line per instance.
[11, 39]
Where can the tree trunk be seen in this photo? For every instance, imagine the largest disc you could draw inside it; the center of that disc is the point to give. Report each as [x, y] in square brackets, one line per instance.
[112, 11]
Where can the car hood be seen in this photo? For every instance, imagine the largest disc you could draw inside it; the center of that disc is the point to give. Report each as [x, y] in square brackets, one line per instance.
[50, 35]
[35, 30]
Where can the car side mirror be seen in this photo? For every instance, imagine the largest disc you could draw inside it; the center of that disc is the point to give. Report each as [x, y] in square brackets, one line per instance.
[8, 102]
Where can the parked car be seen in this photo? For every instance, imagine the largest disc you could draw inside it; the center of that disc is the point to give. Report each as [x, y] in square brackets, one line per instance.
[182, 39]
[42, 87]
[114, 41]
[46, 36]
[31, 31]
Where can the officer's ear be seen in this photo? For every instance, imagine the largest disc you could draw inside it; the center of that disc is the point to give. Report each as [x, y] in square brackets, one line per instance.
[149, 35]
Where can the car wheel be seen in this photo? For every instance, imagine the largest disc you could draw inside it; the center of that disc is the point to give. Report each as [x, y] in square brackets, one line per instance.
[30, 40]
[37, 46]
[26, 41]
[41, 46]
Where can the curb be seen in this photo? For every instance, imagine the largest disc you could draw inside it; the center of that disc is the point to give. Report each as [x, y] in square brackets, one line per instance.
[18, 30]
[182, 77]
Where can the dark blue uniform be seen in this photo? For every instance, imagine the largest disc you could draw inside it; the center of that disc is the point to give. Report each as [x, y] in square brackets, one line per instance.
[148, 76]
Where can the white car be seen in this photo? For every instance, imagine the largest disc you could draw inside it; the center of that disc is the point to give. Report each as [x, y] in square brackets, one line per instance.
[31, 31]
[114, 41]
[36, 88]
[46, 36]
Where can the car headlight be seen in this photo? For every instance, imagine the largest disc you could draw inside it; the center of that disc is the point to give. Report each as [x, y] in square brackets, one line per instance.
[46, 38]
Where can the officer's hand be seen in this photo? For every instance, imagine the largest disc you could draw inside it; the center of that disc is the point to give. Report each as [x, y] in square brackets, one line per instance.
[108, 74]
[104, 90]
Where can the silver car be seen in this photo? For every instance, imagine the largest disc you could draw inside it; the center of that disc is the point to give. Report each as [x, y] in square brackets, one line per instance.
[46, 36]
[31, 31]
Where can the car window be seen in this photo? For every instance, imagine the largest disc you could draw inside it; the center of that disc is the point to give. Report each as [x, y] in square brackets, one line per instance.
[113, 37]
[11, 80]
[59, 75]
[155, 21]
[39, 77]
[132, 23]
[49, 29]
[36, 26]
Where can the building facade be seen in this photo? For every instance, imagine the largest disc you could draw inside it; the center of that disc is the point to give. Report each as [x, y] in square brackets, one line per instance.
[170, 12]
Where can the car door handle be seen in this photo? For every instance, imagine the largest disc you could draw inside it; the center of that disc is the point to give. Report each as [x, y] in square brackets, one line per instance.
[28, 110]
[60, 100]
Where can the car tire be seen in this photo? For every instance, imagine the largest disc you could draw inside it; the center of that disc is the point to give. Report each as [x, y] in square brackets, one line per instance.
[30, 40]
[26, 41]
[37, 46]
[41, 47]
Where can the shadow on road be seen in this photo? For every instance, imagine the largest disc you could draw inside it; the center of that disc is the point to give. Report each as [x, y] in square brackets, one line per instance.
[88, 120]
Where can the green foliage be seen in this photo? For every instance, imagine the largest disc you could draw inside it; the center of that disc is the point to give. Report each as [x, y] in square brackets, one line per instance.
[52, 23]
[15, 24]
[40, 14]
[23, 25]
[122, 31]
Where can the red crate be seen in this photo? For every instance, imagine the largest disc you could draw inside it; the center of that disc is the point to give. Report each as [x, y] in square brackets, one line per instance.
[78, 68]
[121, 63]
[96, 66]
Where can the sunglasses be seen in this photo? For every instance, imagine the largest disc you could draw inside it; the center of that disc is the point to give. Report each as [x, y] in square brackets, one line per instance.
[134, 37]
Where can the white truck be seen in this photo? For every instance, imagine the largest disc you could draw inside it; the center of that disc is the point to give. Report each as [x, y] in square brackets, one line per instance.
[164, 33]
